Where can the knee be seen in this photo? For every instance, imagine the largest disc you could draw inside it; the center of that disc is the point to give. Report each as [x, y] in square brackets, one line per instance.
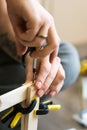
[71, 63]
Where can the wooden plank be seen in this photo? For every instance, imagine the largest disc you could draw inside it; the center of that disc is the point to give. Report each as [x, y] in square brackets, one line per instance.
[24, 93]
[30, 121]
[13, 97]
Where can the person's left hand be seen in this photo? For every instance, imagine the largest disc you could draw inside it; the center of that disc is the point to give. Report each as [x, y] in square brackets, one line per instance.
[33, 25]
[50, 75]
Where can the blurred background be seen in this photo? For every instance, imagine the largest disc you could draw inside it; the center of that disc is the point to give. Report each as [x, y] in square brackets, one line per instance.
[70, 18]
[71, 23]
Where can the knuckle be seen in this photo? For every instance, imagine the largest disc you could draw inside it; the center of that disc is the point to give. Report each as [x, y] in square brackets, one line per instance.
[52, 76]
[38, 23]
[40, 43]
[62, 75]
[56, 89]
[58, 60]
[55, 45]
[45, 89]
[59, 40]
[46, 69]
[51, 19]
[55, 83]
[37, 20]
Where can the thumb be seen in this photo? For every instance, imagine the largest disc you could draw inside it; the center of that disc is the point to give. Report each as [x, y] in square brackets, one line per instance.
[21, 49]
[29, 68]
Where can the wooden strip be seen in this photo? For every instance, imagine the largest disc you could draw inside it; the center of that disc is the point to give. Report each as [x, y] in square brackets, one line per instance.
[13, 97]
[30, 121]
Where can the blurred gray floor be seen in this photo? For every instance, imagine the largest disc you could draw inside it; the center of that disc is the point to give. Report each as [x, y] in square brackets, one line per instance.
[62, 119]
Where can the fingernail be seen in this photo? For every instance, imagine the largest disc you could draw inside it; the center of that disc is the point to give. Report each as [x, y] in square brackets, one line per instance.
[38, 84]
[47, 91]
[40, 92]
[52, 93]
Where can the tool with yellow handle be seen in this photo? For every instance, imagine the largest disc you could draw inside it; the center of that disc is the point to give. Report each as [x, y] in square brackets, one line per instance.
[45, 107]
[16, 112]
[83, 70]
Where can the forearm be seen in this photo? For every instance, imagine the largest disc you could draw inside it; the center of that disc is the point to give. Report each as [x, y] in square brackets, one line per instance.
[7, 37]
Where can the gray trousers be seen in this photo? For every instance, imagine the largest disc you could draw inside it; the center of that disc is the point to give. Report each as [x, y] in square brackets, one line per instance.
[12, 74]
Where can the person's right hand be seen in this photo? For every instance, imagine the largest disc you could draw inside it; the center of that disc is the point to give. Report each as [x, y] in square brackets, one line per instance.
[49, 75]
[31, 23]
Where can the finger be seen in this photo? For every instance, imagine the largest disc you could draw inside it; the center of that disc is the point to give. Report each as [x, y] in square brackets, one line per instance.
[32, 22]
[28, 36]
[44, 70]
[56, 89]
[21, 49]
[37, 42]
[38, 39]
[52, 45]
[44, 52]
[53, 39]
[49, 78]
[43, 30]
[24, 27]
[29, 68]
[58, 81]
[24, 30]
[41, 36]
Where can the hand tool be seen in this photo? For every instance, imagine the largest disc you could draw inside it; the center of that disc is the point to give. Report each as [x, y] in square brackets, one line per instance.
[45, 107]
[16, 113]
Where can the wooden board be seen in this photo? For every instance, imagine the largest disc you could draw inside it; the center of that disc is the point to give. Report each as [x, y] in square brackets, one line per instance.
[24, 93]
[13, 97]
[30, 121]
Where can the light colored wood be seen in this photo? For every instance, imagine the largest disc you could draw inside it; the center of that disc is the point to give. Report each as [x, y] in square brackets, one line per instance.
[13, 97]
[30, 121]
[24, 93]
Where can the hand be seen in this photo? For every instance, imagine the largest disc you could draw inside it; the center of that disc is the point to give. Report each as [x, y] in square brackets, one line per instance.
[30, 22]
[57, 83]
[50, 75]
